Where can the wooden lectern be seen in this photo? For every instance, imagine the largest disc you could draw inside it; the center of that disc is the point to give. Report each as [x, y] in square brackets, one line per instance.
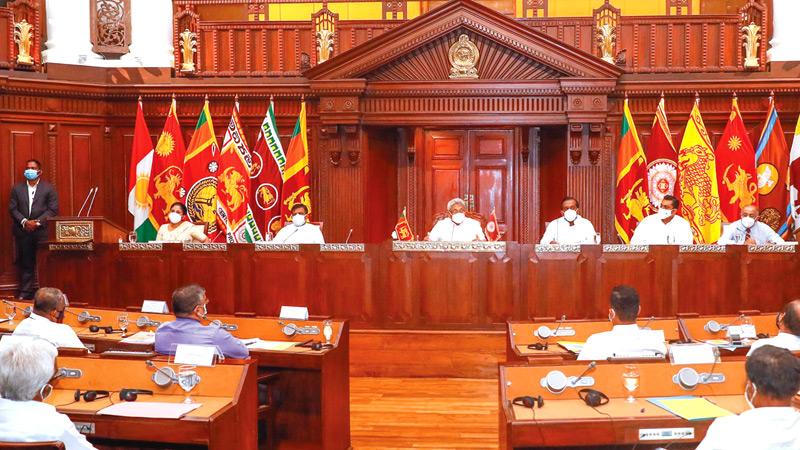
[65, 229]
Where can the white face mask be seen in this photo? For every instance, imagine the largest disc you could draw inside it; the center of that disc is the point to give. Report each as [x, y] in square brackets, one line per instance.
[458, 218]
[204, 311]
[748, 222]
[749, 400]
[570, 215]
[664, 213]
[174, 217]
[299, 220]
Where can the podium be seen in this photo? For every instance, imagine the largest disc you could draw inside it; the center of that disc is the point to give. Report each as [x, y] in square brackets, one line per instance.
[73, 229]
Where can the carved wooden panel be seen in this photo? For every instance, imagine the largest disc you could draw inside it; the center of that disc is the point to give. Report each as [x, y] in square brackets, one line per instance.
[24, 23]
[110, 22]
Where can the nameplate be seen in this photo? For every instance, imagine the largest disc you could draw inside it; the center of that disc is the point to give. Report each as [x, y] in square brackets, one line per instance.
[683, 354]
[355, 248]
[624, 248]
[84, 247]
[743, 331]
[140, 246]
[557, 248]
[196, 355]
[702, 248]
[267, 247]
[294, 312]
[155, 307]
[205, 247]
[433, 246]
[84, 427]
[771, 248]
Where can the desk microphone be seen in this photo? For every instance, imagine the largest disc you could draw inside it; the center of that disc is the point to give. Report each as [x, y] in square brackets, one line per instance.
[592, 365]
[167, 372]
[25, 311]
[349, 233]
[645, 326]
[84, 316]
[560, 323]
[224, 326]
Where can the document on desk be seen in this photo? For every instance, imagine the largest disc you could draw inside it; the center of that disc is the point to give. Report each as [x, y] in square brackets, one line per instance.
[572, 346]
[150, 410]
[690, 407]
[142, 337]
[260, 344]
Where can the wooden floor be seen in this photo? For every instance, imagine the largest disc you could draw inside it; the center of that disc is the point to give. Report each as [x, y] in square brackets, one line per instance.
[431, 413]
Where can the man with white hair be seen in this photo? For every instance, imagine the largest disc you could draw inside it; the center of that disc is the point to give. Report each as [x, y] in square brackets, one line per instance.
[457, 227]
[49, 305]
[26, 370]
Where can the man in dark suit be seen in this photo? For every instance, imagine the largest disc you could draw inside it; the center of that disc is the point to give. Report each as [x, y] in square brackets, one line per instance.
[32, 203]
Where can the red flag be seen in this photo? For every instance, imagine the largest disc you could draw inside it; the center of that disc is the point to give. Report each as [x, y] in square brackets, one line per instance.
[167, 173]
[200, 168]
[296, 177]
[736, 167]
[269, 161]
[772, 160]
[662, 159]
[492, 228]
[632, 202]
[402, 231]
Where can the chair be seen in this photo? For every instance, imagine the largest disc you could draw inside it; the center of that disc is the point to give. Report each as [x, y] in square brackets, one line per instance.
[54, 445]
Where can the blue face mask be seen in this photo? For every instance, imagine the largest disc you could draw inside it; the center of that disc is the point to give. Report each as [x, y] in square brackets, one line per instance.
[31, 174]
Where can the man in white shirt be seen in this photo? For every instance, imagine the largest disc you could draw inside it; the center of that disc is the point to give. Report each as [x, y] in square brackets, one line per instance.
[626, 339]
[788, 330]
[570, 228]
[771, 423]
[26, 371]
[299, 231]
[748, 230]
[457, 227]
[664, 227]
[49, 305]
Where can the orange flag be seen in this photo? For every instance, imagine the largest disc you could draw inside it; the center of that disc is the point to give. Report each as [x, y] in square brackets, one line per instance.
[736, 167]
[167, 173]
[631, 201]
[772, 167]
[296, 176]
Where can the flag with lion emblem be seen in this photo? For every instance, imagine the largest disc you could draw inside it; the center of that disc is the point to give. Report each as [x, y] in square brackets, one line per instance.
[167, 174]
[736, 167]
[697, 180]
[200, 170]
[631, 200]
[269, 161]
[297, 177]
[772, 167]
[233, 185]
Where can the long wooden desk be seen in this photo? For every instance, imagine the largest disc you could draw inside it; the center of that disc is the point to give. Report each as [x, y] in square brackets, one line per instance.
[225, 420]
[427, 285]
[311, 391]
[566, 421]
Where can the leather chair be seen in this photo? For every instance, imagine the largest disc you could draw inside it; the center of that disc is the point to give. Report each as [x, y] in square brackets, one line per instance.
[54, 445]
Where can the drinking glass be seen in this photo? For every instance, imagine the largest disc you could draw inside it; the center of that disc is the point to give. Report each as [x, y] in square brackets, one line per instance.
[11, 312]
[132, 236]
[630, 379]
[187, 380]
[123, 323]
[327, 331]
[597, 239]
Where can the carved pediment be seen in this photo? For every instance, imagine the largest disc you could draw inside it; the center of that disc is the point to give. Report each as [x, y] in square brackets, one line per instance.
[419, 49]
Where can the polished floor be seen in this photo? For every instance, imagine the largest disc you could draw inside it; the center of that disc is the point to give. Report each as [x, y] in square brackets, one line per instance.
[429, 413]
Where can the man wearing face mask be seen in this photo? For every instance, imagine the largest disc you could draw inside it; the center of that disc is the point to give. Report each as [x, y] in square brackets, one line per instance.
[771, 423]
[749, 230]
[45, 320]
[189, 303]
[457, 227]
[299, 231]
[570, 228]
[788, 337]
[32, 202]
[665, 227]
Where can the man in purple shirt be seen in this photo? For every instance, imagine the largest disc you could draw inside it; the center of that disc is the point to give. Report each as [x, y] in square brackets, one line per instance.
[189, 303]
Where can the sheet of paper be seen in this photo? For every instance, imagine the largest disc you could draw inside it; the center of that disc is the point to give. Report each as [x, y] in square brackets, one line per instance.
[150, 410]
[572, 346]
[270, 345]
[692, 354]
[142, 337]
[690, 407]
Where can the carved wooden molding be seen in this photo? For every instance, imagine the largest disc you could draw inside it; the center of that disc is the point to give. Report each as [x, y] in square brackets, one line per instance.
[26, 27]
[679, 7]
[110, 23]
[534, 8]
[754, 28]
[185, 23]
[325, 32]
[606, 24]
[394, 10]
[431, 246]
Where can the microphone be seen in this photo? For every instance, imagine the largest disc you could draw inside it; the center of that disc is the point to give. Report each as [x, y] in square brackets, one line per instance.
[88, 194]
[224, 326]
[645, 326]
[349, 233]
[144, 322]
[25, 311]
[592, 365]
[543, 332]
[85, 316]
[89, 209]
[166, 372]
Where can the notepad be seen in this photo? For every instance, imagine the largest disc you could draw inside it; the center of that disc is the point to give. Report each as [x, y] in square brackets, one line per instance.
[270, 345]
[690, 407]
[142, 337]
[150, 410]
[572, 346]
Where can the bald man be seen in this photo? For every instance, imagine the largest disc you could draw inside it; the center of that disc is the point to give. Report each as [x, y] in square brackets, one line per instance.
[749, 231]
[49, 305]
[788, 330]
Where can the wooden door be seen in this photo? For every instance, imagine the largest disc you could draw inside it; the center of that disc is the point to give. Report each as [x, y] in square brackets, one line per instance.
[476, 165]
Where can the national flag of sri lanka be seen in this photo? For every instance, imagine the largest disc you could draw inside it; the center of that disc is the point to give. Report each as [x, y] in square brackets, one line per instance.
[772, 167]
[167, 173]
[662, 160]
[296, 176]
[794, 179]
[402, 230]
[139, 202]
[200, 169]
[736, 167]
[269, 162]
[697, 181]
[631, 203]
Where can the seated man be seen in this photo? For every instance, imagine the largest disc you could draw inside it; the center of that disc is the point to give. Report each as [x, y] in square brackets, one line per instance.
[771, 423]
[749, 230]
[49, 305]
[788, 330]
[299, 231]
[626, 339]
[189, 304]
[664, 227]
[26, 371]
[457, 227]
[570, 228]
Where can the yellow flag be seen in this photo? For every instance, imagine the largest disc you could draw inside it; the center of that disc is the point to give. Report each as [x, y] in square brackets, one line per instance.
[697, 178]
